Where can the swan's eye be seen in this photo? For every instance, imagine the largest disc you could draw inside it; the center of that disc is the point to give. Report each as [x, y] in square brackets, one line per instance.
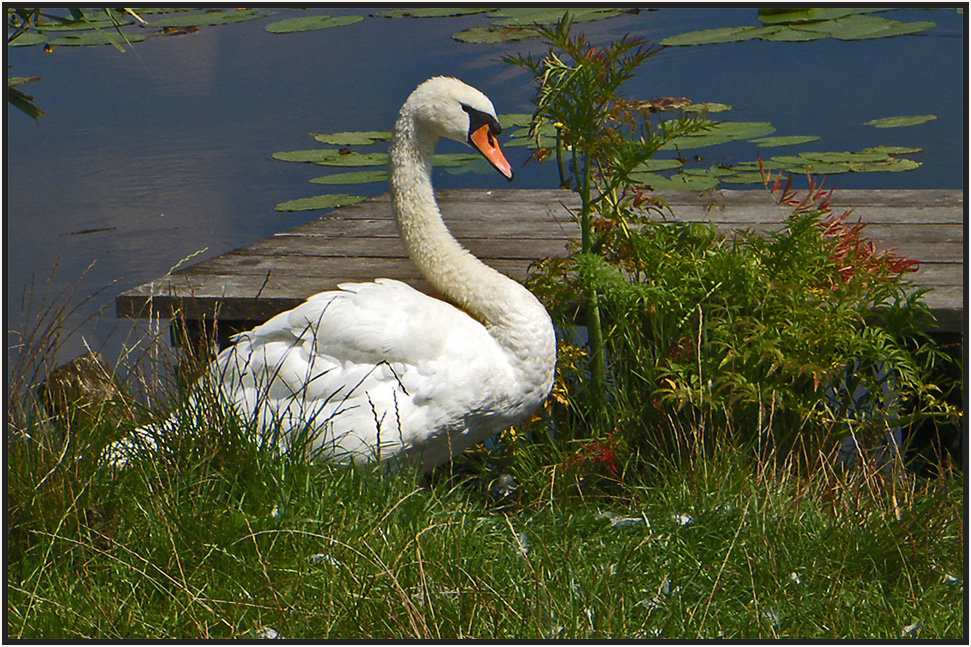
[477, 119]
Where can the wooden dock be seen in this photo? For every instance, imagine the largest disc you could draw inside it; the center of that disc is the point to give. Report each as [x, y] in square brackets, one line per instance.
[509, 229]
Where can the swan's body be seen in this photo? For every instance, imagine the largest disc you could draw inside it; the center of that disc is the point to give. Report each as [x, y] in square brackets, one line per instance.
[379, 370]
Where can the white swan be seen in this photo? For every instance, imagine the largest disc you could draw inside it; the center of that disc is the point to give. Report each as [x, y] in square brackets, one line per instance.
[378, 371]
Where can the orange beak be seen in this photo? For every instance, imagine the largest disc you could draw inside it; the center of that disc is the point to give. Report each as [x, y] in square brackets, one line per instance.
[483, 141]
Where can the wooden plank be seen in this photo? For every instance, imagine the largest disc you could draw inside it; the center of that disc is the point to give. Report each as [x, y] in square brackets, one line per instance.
[510, 228]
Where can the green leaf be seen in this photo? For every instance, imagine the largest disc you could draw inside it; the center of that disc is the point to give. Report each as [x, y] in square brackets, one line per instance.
[428, 12]
[94, 38]
[786, 15]
[677, 182]
[352, 177]
[892, 150]
[204, 19]
[862, 27]
[897, 122]
[708, 107]
[26, 39]
[310, 23]
[791, 140]
[355, 159]
[794, 35]
[453, 159]
[515, 119]
[490, 35]
[654, 165]
[890, 165]
[362, 138]
[331, 201]
[527, 16]
[720, 35]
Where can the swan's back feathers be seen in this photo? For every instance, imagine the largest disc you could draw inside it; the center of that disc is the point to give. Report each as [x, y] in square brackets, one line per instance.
[371, 359]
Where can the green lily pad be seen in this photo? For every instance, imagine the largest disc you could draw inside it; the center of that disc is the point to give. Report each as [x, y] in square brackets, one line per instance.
[677, 182]
[527, 16]
[310, 23]
[454, 159]
[26, 39]
[863, 27]
[93, 38]
[791, 140]
[363, 138]
[653, 165]
[330, 201]
[515, 119]
[897, 122]
[773, 16]
[352, 177]
[748, 177]
[892, 150]
[707, 106]
[844, 157]
[720, 35]
[428, 12]
[492, 35]
[793, 35]
[890, 165]
[721, 133]
[355, 159]
[204, 19]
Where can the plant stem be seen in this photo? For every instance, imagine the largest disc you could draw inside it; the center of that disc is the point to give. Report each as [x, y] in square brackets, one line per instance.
[598, 368]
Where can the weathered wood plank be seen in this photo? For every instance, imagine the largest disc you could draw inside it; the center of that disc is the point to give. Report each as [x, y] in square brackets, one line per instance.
[511, 228]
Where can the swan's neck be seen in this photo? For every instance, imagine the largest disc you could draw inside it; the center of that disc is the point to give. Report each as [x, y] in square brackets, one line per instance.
[498, 302]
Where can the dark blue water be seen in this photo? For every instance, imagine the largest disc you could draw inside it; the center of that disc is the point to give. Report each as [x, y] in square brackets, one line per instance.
[166, 147]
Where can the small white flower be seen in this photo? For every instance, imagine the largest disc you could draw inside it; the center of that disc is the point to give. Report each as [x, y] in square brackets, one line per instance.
[267, 633]
[682, 519]
[522, 544]
[322, 557]
[909, 629]
[794, 578]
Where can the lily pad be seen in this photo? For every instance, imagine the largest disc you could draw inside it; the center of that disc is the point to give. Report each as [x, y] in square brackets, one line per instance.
[352, 177]
[453, 159]
[492, 35]
[332, 157]
[791, 140]
[362, 138]
[528, 16]
[207, 18]
[310, 23]
[707, 106]
[893, 150]
[26, 39]
[354, 159]
[677, 182]
[720, 35]
[721, 133]
[93, 38]
[863, 27]
[891, 165]
[330, 201]
[793, 35]
[428, 12]
[897, 122]
[772, 16]
[515, 119]
[653, 165]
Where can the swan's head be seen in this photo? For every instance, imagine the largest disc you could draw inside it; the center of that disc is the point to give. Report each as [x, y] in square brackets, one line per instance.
[446, 107]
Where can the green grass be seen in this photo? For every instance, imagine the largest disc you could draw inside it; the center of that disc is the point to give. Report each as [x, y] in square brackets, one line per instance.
[214, 538]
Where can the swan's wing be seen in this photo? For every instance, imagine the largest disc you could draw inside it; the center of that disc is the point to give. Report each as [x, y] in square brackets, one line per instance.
[371, 363]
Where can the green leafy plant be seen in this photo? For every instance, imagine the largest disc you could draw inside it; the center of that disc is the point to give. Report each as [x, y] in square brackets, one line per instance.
[605, 134]
[765, 341]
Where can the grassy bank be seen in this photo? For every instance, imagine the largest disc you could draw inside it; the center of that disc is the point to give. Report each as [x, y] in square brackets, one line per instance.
[214, 538]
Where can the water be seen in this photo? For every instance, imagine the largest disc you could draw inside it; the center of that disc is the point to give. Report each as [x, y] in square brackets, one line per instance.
[164, 151]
